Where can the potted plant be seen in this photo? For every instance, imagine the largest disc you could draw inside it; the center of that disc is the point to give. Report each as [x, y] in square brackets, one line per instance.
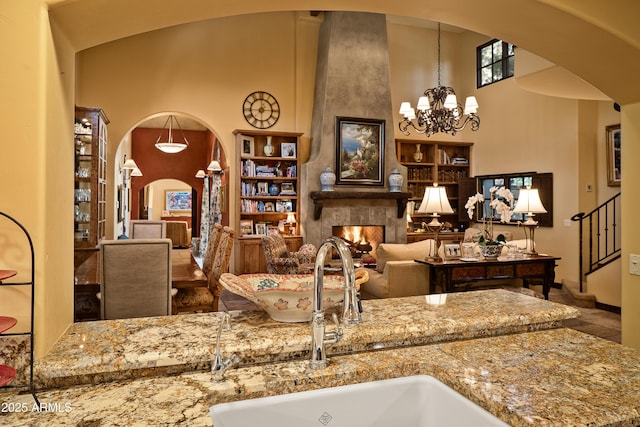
[501, 203]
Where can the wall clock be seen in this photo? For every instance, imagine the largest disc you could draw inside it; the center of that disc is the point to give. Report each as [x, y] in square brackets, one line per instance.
[261, 110]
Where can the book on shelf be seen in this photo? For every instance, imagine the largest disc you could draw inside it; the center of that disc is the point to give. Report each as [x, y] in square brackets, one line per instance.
[443, 157]
[459, 161]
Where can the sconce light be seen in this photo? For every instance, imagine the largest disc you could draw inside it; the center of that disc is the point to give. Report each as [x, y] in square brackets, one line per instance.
[200, 174]
[215, 166]
[128, 169]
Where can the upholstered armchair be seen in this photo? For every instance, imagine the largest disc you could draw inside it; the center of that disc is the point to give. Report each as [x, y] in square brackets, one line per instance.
[281, 261]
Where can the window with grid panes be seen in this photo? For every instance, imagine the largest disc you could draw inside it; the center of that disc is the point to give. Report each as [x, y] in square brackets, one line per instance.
[494, 62]
[542, 181]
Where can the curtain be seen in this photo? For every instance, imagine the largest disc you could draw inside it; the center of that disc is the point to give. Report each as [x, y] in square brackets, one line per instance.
[211, 213]
[205, 225]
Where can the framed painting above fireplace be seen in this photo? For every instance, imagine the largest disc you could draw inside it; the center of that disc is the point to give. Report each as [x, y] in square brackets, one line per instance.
[359, 151]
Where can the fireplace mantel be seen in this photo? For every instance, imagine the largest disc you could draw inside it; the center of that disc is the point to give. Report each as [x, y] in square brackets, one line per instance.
[319, 197]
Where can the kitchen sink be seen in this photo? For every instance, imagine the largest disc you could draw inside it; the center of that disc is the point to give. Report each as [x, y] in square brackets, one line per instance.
[415, 401]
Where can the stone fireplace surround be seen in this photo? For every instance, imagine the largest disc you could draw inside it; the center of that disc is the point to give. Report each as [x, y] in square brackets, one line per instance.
[350, 44]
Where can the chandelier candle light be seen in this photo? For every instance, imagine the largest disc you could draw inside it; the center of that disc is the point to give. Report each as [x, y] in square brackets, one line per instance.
[435, 202]
[529, 202]
[438, 110]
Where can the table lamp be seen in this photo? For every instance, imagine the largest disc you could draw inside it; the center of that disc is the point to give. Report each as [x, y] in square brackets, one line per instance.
[435, 202]
[529, 203]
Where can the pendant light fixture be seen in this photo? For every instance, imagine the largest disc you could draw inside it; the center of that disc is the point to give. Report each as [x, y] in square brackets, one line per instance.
[170, 146]
[438, 110]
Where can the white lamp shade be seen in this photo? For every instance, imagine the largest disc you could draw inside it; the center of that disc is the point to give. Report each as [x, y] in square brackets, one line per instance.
[214, 166]
[405, 109]
[529, 202]
[451, 101]
[423, 103]
[130, 164]
[136, 172]
[471, 105]
[291, 218]
[200, 174]
[435, 201]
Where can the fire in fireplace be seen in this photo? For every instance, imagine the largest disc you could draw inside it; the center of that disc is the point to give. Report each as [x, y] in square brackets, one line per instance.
[362, 239]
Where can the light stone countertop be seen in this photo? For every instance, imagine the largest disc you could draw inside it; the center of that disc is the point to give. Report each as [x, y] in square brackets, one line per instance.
[95, 352]
[557, 377]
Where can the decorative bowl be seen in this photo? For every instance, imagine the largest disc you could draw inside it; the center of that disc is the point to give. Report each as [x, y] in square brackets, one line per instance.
[491, 251]
[288, 298]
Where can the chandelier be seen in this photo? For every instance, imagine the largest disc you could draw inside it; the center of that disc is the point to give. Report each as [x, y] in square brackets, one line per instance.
[438, 110]
[170, 146]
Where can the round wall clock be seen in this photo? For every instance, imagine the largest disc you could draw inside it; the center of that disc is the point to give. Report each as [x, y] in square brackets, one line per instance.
[261, 110]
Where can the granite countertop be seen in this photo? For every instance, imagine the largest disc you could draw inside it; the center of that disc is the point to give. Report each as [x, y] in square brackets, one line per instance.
[557, 377]
[94, 352]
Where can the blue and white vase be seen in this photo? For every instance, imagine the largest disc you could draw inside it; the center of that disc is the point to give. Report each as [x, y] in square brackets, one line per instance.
[395, 181]
[327, 179]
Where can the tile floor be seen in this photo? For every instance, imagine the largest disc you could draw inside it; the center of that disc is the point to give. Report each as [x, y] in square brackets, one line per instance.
[601, 323]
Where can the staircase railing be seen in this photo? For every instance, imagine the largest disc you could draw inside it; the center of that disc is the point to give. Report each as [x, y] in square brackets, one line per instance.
[602, 231]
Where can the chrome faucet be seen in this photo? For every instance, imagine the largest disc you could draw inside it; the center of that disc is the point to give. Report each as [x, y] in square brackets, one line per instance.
[350, 308]
[218, 366]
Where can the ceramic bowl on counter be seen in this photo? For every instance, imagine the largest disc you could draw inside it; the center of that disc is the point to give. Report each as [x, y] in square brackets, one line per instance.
[288, 298]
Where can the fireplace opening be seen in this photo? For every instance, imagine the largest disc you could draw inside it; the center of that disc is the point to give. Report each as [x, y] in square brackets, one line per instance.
[362, 239]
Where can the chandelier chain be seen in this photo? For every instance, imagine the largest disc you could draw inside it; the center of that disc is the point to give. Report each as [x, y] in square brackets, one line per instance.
[439, 55]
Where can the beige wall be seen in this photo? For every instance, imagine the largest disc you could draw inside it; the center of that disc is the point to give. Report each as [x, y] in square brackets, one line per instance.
[37, 115]
[38, 96]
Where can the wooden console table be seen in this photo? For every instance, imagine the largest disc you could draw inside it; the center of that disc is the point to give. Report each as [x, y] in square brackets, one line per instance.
[450, 273]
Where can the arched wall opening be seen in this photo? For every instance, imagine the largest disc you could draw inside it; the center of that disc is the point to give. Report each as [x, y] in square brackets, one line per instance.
[131, 201]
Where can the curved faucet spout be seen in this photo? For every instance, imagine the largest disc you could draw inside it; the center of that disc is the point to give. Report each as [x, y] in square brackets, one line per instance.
[350, 308]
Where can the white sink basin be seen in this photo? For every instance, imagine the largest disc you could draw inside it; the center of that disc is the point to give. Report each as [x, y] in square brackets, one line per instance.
[416, 401]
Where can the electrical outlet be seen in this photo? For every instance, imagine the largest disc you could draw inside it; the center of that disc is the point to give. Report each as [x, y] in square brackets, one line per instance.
[634, 264]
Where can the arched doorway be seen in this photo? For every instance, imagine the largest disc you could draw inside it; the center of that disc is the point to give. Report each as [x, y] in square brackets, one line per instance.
[179, 169]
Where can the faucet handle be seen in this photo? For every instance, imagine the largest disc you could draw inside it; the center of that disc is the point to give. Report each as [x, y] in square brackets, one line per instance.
[334, 337]
[226, 320]
[337, 322]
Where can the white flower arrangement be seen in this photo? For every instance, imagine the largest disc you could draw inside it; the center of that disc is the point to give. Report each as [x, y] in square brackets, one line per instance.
[501, 201]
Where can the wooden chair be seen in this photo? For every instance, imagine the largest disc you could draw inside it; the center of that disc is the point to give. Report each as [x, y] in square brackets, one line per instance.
[135, 278]
[212, 246]
[281, 261]
[147, 229]
[206, 299]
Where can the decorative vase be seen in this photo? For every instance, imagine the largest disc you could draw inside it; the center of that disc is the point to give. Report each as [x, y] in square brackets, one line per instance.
[327, 179]
[417, 156]
[395, 181]
[268, 149]
[273, 189]
[491, 251]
